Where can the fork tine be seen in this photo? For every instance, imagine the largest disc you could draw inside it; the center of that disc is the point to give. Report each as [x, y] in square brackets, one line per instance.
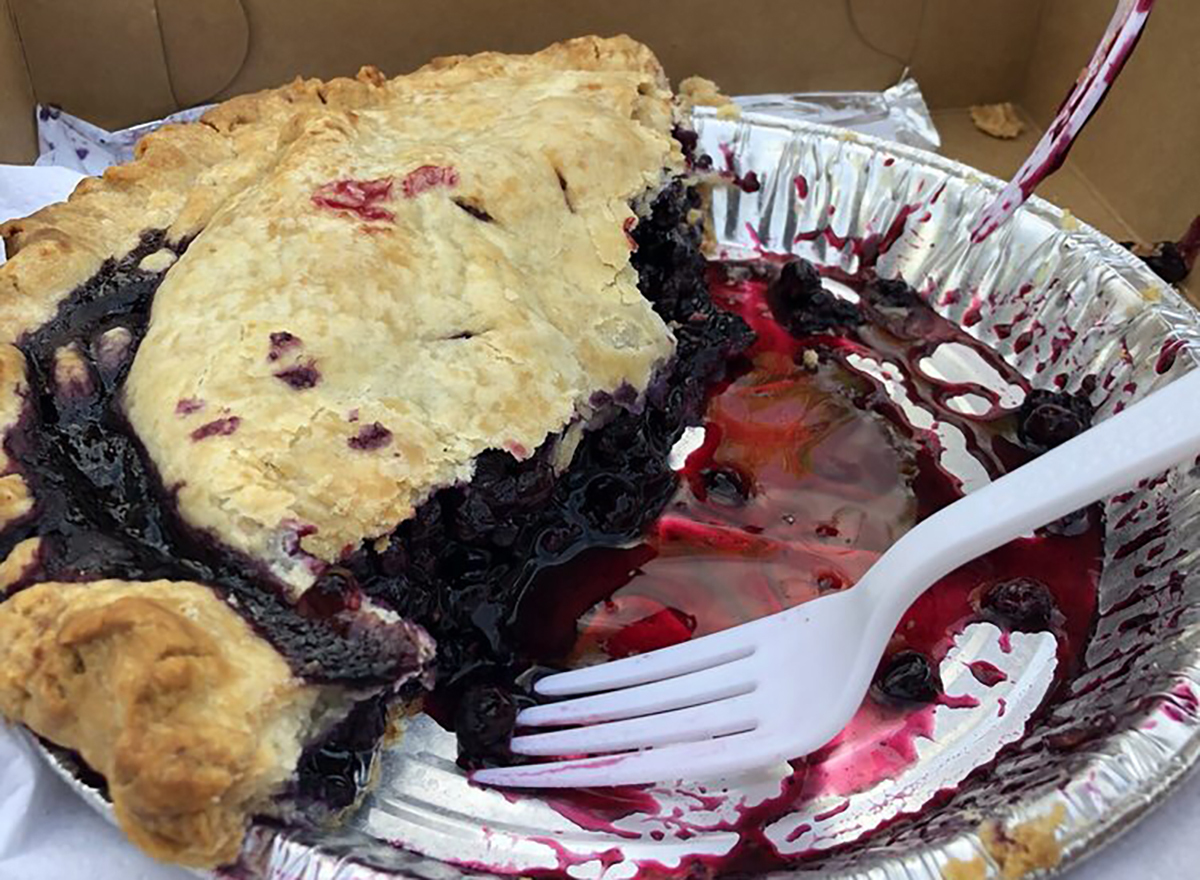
[693, 656]
[715, 683]
[697, 761]
[719, 718]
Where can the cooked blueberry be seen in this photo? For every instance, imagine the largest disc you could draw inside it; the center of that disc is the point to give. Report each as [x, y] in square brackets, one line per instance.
[1050, 418]
[908, 677]
[688, 140]
[1164, 259]
[610, 503]
[749, 182]
[1022, 604]
[484, 724]
[894, 293]
[535, 485]
[1168, 263]
[803, 306]
[474, 517]
[726, 485]
[461, 564]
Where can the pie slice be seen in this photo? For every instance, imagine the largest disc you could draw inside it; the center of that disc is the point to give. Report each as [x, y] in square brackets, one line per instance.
[318, 382]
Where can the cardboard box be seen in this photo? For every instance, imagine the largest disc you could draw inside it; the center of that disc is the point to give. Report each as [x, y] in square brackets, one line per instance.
[1133, 175]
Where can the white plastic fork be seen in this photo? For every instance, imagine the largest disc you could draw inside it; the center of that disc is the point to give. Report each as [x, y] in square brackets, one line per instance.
[783, 686]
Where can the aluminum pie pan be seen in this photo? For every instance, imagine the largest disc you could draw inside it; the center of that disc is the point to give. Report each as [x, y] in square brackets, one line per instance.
[1131, 718]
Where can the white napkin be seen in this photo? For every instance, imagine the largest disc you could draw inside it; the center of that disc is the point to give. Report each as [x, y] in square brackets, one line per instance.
[24, 189]
[48, 833]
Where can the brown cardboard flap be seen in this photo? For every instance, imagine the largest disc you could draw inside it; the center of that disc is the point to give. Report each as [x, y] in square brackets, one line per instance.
[18, 142]
[760, 46]
[99, 60]
[206, 44]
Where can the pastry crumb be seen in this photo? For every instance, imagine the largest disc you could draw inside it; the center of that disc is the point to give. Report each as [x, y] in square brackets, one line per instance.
[998, 120]
[1025, 848]
[159, 261]
[810, 359]
[696, 91]
[957, 869]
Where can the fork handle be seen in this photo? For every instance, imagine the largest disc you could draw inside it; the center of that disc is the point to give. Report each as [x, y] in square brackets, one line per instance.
[1152, 435]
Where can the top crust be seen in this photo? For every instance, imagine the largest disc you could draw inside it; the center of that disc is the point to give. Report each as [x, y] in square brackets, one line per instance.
[196, 721]
[478, 297]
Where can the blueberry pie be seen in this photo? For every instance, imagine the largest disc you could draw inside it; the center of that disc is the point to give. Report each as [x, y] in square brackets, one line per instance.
[296, 404]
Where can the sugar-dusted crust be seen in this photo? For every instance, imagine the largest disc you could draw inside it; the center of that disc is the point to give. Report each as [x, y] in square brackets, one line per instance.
[482, 299]
[193, 720]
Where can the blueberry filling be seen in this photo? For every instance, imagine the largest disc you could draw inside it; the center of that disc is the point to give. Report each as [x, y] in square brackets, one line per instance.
[333, 772]
[803, 306]
[1022, 604]
[459, 566]
[484, 724]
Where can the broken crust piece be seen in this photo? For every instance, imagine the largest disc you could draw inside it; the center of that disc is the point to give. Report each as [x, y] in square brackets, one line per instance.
[696, 91]
[998, 120]
[194, 721]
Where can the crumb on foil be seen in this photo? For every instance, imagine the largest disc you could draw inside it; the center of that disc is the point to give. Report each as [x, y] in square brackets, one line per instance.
[958, 869]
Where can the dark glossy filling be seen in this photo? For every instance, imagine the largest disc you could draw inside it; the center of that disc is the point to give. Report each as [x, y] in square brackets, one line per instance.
[459, 567]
